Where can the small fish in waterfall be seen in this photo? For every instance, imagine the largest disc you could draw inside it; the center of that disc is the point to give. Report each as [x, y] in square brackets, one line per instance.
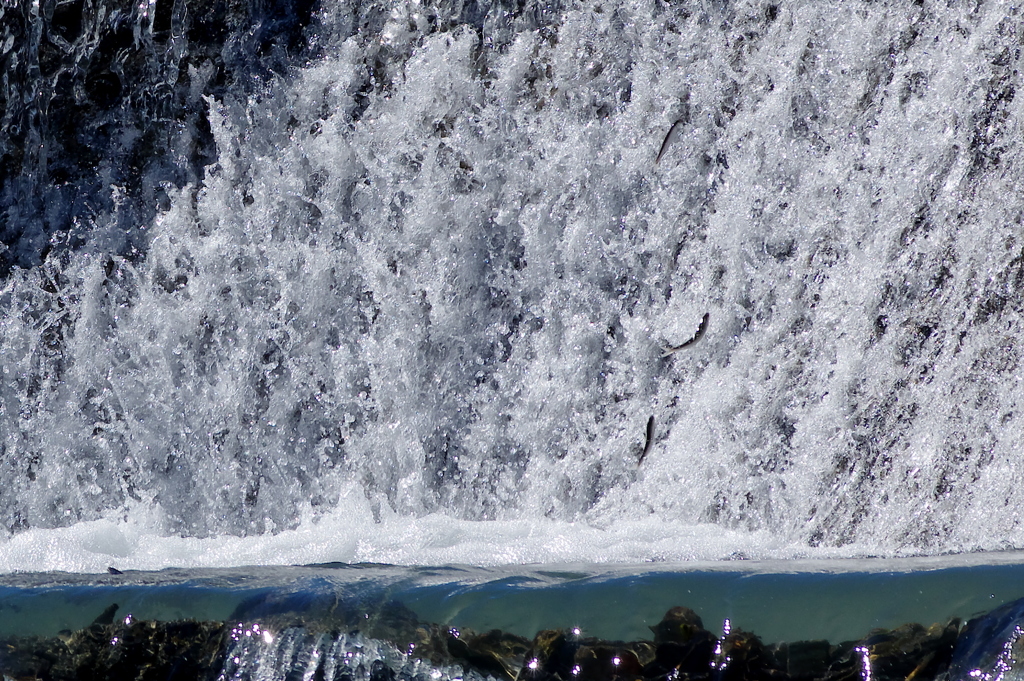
[669, 138]
[696, 337]
[649, 441]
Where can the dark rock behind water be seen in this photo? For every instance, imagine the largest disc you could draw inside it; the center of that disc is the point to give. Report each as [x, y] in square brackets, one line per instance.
[139, 650]
[102, 109]
[334, 647]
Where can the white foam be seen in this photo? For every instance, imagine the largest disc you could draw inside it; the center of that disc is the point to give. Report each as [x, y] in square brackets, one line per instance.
[351, 535]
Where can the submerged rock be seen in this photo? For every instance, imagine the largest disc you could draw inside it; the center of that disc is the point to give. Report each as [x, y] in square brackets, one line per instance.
[682, 646]
[989, 648]
[742, 656]
[567, 655]
[804, 659]
[145, 651]
[393, 644]
[495, 653]
[679, 625]
[908, 652]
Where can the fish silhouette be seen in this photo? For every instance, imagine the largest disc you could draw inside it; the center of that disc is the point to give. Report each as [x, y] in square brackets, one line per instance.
[696, 337]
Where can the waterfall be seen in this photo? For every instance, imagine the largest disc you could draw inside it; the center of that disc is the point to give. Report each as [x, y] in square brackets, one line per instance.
[255, 653]
[387, 279]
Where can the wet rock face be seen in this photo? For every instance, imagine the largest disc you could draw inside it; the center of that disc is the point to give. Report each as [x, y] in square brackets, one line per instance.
[102, 109]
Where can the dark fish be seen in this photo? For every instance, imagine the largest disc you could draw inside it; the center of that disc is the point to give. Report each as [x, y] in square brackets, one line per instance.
[114, 571]
[696, 337]
[668, 138]
[107, 616]
[649, 442]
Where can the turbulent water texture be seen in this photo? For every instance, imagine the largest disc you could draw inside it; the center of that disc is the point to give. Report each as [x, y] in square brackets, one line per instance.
[101, 111]
[429, 254]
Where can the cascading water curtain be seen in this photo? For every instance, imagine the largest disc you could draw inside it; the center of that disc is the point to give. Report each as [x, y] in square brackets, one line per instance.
[426, 259]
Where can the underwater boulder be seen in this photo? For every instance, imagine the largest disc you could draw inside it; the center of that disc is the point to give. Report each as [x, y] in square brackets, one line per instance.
[552, 655]
[743, 657]
[495, 653]
[141, 650]
[989, 647]
[566, 655]
[905, 653]
[602, 662]
[679, 625]
[682, 645]
[804, 659]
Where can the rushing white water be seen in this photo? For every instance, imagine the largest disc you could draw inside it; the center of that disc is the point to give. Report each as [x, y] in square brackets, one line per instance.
[260, 654]
[416, 310]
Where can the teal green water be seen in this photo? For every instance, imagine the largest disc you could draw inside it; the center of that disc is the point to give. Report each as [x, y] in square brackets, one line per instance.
[613, 603]
[778, 607]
